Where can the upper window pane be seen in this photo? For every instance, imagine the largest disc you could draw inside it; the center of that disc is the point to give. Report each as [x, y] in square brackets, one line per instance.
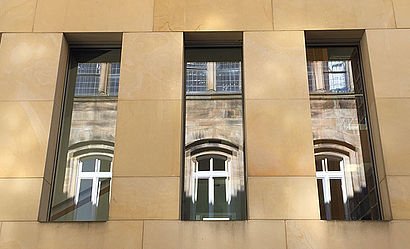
[330, 70]
[97, 79]
[213, 77]
[85, 153]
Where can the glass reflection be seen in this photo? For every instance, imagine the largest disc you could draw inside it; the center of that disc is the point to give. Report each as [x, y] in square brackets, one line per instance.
[214, 181]
[344, 166]
[82, 179]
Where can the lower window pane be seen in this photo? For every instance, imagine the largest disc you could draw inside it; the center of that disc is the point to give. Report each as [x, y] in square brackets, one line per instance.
[221, 205]
[336, 205]
[202, 204]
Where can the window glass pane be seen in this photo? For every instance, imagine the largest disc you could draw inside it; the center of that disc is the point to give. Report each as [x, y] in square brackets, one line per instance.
[228, 76]
[336, 204]
[221, 204]
[319, 162]
[340, 130]
[105, 165]
[330, 70]
[202, 203]
[204, 164]
[85, 207]
[333, 164]
[104, 185]
[89, 165]
[214, 136]
[87, 135]
[321, 199]
[196, 75]
[114, 79]
[219, 164]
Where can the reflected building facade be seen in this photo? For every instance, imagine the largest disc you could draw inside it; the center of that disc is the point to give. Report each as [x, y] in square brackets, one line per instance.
[344, 165]
[214, 170]
[83, 174]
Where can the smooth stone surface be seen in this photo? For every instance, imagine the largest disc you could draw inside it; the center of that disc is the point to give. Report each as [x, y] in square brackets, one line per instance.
[144, 198]
[389, 53]
[279, 138]
[275, 65]
[29, 65]
[17, 15]
[102, 15]
[330, 14]
[151, 66]
[69, 235]
[148, 139]
[394, 120]
[347, 234]
[282, 198]
[19, 199]
[399, 192]
[402, 13]
[24, 129]
[212, 15]
[220, 234]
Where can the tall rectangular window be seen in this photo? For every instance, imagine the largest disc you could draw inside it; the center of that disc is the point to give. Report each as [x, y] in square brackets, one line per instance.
[82, 177]
[214, 168]
[345, 170]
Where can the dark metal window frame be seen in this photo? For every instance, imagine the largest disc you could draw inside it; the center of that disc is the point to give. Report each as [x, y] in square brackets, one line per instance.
[209, 44]
[353, 44]
[69, 77]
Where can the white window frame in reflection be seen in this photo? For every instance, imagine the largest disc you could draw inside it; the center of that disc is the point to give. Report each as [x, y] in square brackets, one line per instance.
[325, 176]
[95, 176]
[210, 175]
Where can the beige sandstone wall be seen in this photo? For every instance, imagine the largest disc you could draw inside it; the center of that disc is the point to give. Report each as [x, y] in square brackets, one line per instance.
[144, 213]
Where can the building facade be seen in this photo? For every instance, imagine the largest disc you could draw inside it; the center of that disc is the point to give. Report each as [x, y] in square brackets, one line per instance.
[204, 124]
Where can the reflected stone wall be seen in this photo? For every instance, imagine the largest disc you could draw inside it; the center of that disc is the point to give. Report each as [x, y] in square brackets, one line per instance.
[338, 119]
[214, 119]
[93, 120]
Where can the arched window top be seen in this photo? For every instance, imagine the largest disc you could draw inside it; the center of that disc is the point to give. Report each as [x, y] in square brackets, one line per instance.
[208, 141]
[334, 142]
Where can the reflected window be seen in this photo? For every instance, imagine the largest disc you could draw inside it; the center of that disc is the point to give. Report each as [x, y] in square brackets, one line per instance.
[209, 77]
[82, 178]
[345, 169]
[214, 179]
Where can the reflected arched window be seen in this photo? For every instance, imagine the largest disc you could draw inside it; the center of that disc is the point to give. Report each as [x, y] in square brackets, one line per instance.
[93, 187]
[331, 187]
[211, 180]
[214, 186]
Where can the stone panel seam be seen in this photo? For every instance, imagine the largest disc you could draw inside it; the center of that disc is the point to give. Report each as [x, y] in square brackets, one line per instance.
[336, 28]
[145, 219]
[22, 221]
[286, 233]
[136, 100]
[273, 18]
[34, 17]
[142, 235]
[20, 177]
[394, 98]
[115, 176]
[26, 100]
[258, 176]
[394, 13]
[153, 15]
[286, 176]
